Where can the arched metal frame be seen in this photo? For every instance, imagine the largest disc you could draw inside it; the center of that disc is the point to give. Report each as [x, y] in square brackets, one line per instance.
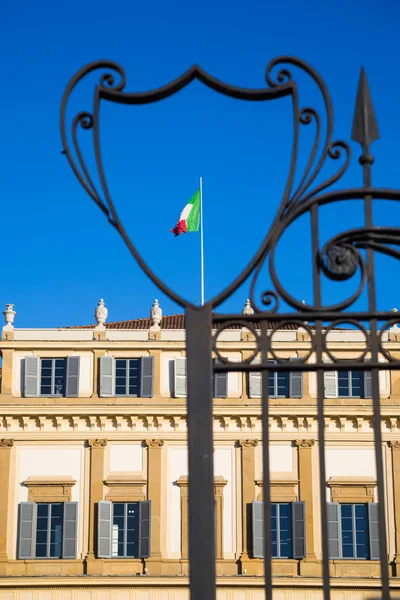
[339, 260]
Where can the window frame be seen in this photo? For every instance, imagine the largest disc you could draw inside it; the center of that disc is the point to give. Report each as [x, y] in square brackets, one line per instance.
[350, 384]
[48, 531]
[53, 376]
[125, 530]
[354, 530]
[275, 383]
[278, 529]
[127, 394]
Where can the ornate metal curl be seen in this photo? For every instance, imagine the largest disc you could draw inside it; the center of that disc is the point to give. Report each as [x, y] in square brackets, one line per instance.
[339, 259]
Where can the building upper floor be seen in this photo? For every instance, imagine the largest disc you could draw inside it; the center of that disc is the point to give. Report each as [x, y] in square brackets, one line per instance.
[146, 359]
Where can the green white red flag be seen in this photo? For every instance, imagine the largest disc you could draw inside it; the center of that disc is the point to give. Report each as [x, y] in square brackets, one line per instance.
[189, 219]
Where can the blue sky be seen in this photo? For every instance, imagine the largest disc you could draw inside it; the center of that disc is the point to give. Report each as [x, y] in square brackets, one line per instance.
[60, 255]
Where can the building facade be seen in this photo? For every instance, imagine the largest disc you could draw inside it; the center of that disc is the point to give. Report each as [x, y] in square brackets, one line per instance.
[93, 465]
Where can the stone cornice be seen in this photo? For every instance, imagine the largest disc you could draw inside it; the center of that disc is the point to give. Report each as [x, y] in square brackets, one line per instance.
[166, 422]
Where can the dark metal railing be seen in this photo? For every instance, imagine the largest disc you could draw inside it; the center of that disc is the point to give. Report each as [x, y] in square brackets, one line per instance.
[339, 259]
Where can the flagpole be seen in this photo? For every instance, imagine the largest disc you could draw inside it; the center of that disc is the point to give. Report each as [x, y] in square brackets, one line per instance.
[201, 241]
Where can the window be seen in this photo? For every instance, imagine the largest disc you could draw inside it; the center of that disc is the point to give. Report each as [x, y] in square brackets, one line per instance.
[353, 531]
[287, 529]
[354, 522]
[281, 384]
[52, 376]
[123, 529]
[348, 384]
[49, 525]
[126, 376]
[281, 529]
[278, 384]
[47, 530]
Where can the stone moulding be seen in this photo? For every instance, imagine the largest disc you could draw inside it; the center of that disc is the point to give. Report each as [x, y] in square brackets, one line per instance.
[246, 421]
[125, 487]
[52, 488]
[352, 489]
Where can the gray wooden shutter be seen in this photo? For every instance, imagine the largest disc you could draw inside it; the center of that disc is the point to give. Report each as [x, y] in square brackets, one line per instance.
[299, 529]
[373, 531]
[255, 381]
[144, 528]
[295, 382]
[107, 371]
[26, 530]
[72, 384]
[334, 530]
[31, 384]
[258, 529]
[220, 384]
[331, 384]
[180, 377]
[146, 376]
[104, 529]
[367, 384]
[70, 529]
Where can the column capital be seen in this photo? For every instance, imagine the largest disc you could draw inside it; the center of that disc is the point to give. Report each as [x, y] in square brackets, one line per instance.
[97, 443]
[304, 443]
[6, 443]
[155, 443]
[248, 443]
[394, 444]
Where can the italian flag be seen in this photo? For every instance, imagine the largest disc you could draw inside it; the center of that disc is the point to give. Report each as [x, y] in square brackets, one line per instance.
[190, 216]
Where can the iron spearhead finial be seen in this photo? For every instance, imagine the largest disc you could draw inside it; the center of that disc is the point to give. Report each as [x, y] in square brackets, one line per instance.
[365, 127]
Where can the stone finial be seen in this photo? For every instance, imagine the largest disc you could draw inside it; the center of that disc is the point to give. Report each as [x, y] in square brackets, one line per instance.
[155, 315]
[394, 329]
[101, 313]
[248, 310]
[9, 315]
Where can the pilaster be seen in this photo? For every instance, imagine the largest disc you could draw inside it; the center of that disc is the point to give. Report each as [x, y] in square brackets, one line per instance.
[395, 446]
[154, 488]
[6, 447]
[309, 566]
[248, 495]
[219, 484]
[94, 566]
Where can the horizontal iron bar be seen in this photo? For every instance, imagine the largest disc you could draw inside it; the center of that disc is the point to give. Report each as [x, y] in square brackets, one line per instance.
[307, 316]
[343, 365]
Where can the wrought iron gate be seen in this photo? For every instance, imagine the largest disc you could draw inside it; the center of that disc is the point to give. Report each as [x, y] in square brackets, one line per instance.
[339, 259]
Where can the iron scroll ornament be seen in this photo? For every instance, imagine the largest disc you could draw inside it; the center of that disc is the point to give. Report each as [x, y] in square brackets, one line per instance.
[338, 260]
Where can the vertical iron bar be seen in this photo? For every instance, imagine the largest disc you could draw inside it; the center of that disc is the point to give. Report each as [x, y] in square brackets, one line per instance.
[200, 448]
[366, 160]
[266, 465]
[320, 404]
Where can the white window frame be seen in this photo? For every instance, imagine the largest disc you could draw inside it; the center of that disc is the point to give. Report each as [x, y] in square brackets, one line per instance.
[354, 531]
[127, 360]
[278, 528]
[53, 377]
[48, 557]
[114, 530]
